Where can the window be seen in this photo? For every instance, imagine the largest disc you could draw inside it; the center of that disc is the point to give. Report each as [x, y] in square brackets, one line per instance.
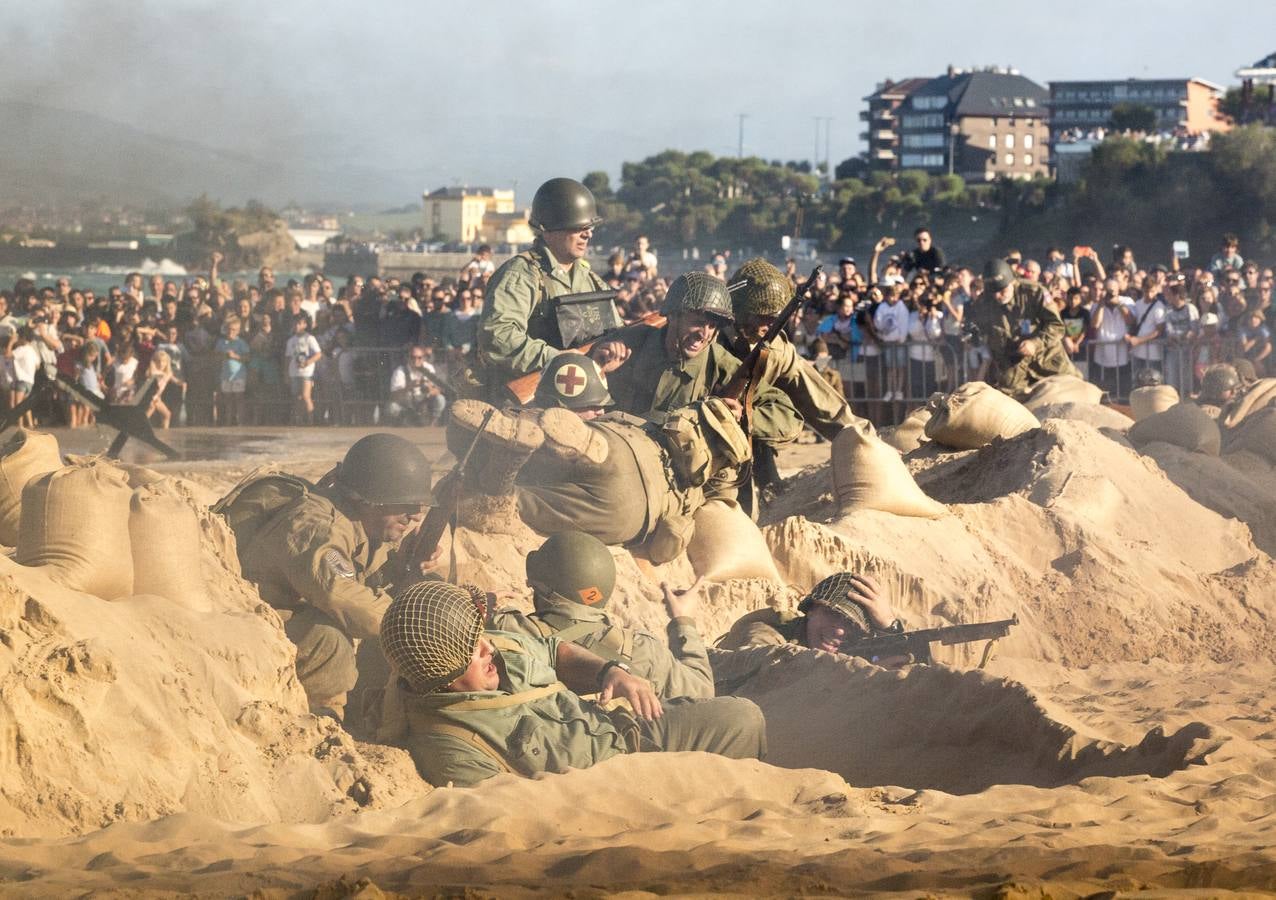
[927, 120]
[922, 160]
[1027, 159]
[1010, 142]
[992, 141]
[1027, 142]
[1010, 159]
[938, 101]
[1031, 101]
[925, 139]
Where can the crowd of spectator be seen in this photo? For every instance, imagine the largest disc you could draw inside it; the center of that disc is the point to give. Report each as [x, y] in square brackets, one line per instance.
[212, 351]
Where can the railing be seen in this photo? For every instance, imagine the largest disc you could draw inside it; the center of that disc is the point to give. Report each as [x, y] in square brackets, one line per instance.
[883, 386]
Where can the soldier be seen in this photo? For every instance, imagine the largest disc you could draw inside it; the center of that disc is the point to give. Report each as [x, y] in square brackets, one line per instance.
[572, 576]
[320, 554]
[1220, 385]
[841, 609]
[567, 467]
[480, 704]
[654, 371]
[1022, 330]
[517, 332]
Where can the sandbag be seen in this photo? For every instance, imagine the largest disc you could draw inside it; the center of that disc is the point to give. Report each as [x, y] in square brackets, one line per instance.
[971, 416]
[1153, 399]
[727, 544]
[28, 455]
[1185, 425]
[1260, 393]
[75, 525]
[869, 474]
[164, 535]
[909, 434]
[1256, 433]
[1056, 389]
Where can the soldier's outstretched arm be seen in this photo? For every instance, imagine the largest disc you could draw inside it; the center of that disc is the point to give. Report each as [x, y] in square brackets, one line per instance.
[687, 673]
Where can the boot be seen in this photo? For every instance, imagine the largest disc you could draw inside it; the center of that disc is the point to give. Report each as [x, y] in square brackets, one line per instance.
[507, 442]
[570, 438]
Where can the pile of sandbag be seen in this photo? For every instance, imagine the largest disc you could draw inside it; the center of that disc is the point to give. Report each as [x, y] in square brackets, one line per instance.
[975, 414]
[28, 455]
[727, 544]
[1257, 396]
[1153, 399]
[1185, 425]
[869, 474]
[1056, 389]
[89, 528]
[910, 434]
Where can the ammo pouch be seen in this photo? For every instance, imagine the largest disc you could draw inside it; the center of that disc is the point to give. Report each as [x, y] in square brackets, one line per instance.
[669, 538]
[701, 439]
[582, 317]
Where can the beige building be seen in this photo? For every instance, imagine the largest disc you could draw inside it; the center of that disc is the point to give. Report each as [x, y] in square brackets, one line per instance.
[1187, 104]
[981, 125]
[476, 216]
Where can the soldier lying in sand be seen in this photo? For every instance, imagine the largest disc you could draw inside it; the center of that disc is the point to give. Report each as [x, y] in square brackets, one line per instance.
[477, 704]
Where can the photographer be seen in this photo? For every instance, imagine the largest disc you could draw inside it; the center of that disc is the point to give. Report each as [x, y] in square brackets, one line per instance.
[414, 398]
[925, 330]
[1110, 322]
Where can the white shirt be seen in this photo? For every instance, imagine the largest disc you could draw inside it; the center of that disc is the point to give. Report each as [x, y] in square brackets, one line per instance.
[1149, 317]
[411, 379]
[923, 335]
[26, 359]
[299, 348]
[1110, 348]
[891, 322]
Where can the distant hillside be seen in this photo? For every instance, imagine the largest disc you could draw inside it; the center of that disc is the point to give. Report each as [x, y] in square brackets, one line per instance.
[59, 155]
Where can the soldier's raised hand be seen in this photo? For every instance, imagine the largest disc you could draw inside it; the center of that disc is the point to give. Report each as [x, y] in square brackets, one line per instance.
[684, 603]
[868, 594]
[609, 355]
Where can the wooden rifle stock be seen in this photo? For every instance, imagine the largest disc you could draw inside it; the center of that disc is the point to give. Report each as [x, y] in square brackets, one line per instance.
[523, 388]
[425, 541]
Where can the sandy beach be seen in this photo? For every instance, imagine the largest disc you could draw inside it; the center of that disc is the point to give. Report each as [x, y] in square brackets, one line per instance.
[1120, 741]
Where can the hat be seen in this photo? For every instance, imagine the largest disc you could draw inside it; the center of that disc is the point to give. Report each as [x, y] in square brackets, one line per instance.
[1159, 268]
[846, 260]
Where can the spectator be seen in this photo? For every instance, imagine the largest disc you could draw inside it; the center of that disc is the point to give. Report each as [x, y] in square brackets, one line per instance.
[1076, 328]
[1110, 322]
[160, 370]
[642, 265]
[1149, 326]
[87, 377]
[124, 374]
[1181, 326]
[925, 330]
[414, 397]
[890, 322]
[234, 354]
[302, 352]
[1255, 340]
[22, 360]
[1228, 258]
[926, 256]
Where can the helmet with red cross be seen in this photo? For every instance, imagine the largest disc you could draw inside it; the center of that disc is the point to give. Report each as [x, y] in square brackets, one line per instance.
[572, 381]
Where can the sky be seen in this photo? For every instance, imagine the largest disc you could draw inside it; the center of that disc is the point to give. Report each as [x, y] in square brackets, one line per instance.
[509, 94]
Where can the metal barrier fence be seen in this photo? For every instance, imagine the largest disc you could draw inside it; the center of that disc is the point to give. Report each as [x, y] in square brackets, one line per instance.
[884, 382]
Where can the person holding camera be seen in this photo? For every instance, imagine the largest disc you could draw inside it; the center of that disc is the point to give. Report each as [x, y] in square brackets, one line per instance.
[302, 352]
[1110, 323]
[925, 331]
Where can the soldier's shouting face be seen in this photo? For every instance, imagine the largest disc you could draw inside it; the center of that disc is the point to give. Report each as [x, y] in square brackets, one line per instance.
[690, 333]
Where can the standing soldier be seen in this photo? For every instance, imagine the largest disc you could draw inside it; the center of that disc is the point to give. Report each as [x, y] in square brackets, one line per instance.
[321, 554]
[518, 332]
[1022, 330]
[572, 577]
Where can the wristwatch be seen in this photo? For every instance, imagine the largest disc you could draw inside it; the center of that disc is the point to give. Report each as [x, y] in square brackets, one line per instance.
[607, 667]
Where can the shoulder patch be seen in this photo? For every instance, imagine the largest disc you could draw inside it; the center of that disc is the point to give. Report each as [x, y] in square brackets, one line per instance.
[336, 563]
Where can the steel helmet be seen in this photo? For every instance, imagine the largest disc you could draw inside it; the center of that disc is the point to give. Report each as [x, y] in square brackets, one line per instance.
[1217, 381]
[758, 289]
[429, 633]
[563, 204]
[572, 381]
[998, 275]
[385, 470]
[832, 592]
[574, 565]
[699, 292]
[1148, 377]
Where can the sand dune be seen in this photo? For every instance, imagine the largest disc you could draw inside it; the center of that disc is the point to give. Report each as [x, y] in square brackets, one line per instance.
[1121, 739]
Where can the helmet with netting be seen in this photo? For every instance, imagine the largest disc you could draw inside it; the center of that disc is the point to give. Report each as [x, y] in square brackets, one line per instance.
[1148, 377]
[572, 381]
[699, 292]
[759, 289]
[429, 634]
[1217, 381]
[574, 565]
[832, 592]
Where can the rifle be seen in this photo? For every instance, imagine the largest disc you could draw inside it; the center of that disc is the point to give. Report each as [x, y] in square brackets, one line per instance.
[740, 387]
[917, 643]
[523, 388]
[421, 545]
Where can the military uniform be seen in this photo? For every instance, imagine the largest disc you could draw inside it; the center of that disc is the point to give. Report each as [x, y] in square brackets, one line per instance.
[678, 668]
[652, 383]
[313, 562]
[534, 724]
[518, 333]
[1029, 314]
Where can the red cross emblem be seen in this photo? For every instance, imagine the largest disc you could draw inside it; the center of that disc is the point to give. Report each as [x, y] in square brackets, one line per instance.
[570, 380]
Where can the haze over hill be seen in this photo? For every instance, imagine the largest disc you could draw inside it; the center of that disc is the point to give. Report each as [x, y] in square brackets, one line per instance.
[52, 155]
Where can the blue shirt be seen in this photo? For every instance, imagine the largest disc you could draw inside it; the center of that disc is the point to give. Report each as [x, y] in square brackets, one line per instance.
[233, 369]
